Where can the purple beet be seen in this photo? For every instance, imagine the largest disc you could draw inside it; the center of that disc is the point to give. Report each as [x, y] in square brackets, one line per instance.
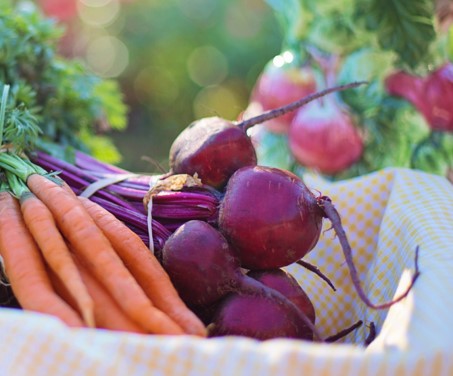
[205, 269]
[200, 263]
[286, 284]
[215, 148]
[272, 219]
[257, 317]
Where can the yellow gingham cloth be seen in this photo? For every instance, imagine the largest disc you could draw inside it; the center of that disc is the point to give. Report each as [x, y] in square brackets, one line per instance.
[386, 215]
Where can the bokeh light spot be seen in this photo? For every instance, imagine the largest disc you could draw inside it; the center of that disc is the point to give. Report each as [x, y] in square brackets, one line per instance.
[157, 86]
[278, 61]
[100, 13]
[243, 20]
[288, 56]
[216, 100]
[95, 3]
[107, 56]
[207, 66]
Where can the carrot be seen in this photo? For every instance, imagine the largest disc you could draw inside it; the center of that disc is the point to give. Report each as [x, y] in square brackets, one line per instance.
[25, 267]
[145, 268]
[43, 228]
[89, 242]
[107, 313]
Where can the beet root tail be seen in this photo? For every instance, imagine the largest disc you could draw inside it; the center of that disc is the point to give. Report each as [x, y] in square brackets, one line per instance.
[371, 335]
[319, 273]
[344, 332]
[332, 214]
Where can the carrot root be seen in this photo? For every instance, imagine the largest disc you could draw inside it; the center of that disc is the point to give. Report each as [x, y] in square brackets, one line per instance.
[95, 250]
[55, 252]
[145, 268]
[107, 313]
[25, 267]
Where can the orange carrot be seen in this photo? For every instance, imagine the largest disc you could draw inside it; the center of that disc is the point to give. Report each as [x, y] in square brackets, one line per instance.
[89, 242]
[107, 313]
[145, 268]
[43, 228]
[25, 267]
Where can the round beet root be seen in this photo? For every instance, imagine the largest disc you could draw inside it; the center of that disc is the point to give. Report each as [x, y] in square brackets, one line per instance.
[213, 148]
[270, 217]
[204, 269]
[258, 317]
[323, 137]
[287, 285]
[200, 263]
[284, 80]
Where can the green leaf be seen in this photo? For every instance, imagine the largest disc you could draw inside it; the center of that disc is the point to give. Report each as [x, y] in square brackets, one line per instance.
[449, 43]
[335, 30]
[403, 26]
[52, 97]
[3, 104]
[102, 148]
[391, 133]
[21, 128]
[112, 103]
[293, 19]
[366, 64]
[272, 150]
[434, 154]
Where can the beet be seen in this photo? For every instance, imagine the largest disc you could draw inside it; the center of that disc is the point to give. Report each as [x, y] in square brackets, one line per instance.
[270, 217]
[343, 333]
[7, 298]
[200, 263]
[205, 312]
[204, 269]
[286, 284]
[322, 136]
[205, 146]
[272, 220]
[282, 81]
[432, 94]
[314, 269]
[257, 317]
[215, 148]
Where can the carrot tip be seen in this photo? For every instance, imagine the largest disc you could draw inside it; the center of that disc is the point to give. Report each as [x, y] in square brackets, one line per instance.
[88, 318]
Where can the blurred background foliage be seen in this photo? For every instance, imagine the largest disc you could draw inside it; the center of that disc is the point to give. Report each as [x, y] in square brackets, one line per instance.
[176, 61]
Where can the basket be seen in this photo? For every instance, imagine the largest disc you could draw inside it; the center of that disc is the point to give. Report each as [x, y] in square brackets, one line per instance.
[386, 215]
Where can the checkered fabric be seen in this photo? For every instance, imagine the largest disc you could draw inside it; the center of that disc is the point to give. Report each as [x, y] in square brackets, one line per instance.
[386, 215]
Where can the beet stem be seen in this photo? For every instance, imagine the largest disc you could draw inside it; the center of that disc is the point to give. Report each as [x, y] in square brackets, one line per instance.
[344, 332]
[332, 214]
[319, 273]
[268, 115]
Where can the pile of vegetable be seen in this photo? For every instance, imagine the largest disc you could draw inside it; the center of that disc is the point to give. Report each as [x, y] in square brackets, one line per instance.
[199, 250]
[224, 249]
[223, 244]
[401, 119]
[63, 255]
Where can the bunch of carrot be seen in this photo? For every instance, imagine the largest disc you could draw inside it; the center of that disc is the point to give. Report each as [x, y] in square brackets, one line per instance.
[67, 256]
